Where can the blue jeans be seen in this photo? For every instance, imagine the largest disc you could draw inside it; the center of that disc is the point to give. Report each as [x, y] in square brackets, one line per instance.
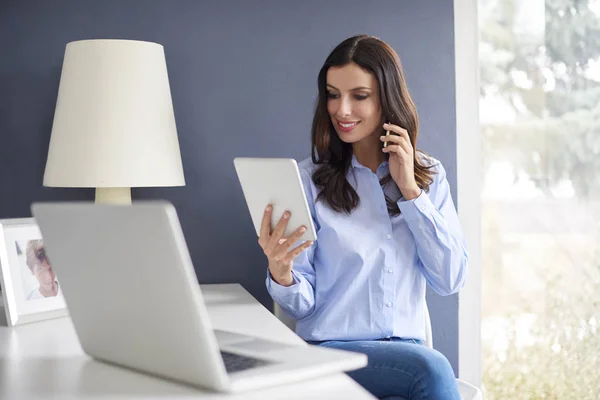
[401, 369]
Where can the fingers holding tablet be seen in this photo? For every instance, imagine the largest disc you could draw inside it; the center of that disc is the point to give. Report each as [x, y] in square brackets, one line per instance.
[265, 228]
[277, 247]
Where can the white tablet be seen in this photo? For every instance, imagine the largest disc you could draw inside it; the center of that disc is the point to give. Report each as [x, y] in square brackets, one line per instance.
[275, 181]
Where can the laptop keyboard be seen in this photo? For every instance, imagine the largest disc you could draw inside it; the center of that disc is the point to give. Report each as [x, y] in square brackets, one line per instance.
[236, 362]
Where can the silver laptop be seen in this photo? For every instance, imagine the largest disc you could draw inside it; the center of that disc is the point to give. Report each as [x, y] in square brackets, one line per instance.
[132, 293]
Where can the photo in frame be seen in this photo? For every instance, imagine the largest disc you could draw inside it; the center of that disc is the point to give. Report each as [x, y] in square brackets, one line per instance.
[30, 289]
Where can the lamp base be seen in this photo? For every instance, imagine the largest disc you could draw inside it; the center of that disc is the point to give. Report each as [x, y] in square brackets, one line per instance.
[120, 195]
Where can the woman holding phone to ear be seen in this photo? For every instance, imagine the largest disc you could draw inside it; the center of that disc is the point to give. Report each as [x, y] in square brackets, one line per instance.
[386, 228]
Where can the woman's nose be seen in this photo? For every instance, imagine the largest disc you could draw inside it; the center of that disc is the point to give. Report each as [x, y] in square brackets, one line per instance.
[345, 107]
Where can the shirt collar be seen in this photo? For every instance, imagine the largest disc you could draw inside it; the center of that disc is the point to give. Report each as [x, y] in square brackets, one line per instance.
[355, 164]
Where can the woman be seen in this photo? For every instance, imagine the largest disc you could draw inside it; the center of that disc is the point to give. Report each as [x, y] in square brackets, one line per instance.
[386, 227]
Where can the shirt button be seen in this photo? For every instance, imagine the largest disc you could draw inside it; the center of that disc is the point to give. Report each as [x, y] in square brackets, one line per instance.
[389, 236]
[389, 304]
[390, 270]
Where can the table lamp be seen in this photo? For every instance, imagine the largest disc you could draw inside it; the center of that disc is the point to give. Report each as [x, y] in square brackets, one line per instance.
[114, 126]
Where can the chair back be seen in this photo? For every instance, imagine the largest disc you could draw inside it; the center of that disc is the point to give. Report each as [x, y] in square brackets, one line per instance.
[428, 333]
[283, 317]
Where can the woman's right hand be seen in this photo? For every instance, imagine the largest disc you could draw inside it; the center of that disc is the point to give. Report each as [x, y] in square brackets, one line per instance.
[278, 248]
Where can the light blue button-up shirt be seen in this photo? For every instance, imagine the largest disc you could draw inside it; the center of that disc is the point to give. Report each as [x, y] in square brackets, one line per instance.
[365, 275]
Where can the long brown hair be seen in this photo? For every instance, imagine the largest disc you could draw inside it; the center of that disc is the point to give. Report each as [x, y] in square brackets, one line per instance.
[331, 153]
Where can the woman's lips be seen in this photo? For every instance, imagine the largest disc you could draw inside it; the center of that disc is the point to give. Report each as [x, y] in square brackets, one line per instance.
[347, 126]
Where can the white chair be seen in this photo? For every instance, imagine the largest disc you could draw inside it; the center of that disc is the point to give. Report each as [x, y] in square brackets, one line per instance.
[466, 390]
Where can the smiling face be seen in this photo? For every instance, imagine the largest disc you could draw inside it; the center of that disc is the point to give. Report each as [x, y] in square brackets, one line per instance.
[353, 102]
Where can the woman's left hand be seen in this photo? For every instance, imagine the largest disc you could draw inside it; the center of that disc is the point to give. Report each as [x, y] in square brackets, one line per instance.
[402, 161]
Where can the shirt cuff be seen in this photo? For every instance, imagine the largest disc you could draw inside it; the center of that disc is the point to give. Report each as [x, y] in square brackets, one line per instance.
[280, 291]
[413, 209]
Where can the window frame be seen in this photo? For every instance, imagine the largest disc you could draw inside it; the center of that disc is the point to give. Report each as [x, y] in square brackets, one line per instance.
[469, 180]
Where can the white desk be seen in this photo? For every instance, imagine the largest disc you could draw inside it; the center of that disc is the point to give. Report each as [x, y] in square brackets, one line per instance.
[44, 360]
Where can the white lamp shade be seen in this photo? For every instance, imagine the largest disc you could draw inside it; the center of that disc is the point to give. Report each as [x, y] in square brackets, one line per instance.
[114, 124]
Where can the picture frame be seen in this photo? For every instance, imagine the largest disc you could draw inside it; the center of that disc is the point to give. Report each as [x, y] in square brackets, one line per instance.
[30, 289]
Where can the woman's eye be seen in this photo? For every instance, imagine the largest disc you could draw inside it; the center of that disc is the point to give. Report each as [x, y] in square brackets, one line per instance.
[361, 96]
[332, 95]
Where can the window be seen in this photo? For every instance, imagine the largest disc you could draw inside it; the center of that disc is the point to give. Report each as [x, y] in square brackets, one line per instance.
[540, 126]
